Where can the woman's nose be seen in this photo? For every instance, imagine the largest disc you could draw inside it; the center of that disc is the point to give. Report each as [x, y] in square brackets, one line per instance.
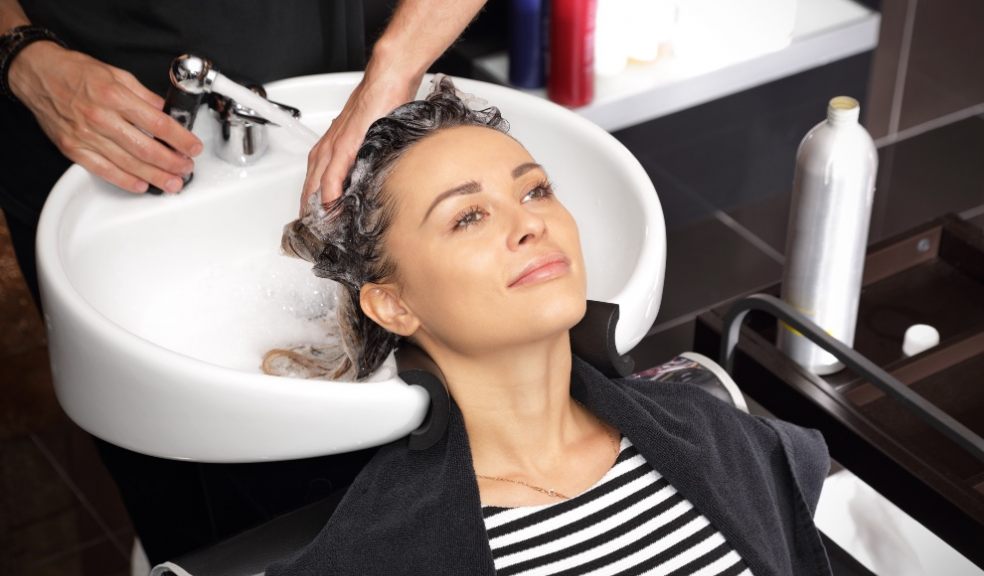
[527, 227]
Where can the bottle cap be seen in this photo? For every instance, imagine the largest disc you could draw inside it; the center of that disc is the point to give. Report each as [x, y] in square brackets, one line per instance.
[919, 338]
[843, 110]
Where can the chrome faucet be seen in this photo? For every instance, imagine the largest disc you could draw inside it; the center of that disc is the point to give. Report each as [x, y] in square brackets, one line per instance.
[243, 134]
[243, 131]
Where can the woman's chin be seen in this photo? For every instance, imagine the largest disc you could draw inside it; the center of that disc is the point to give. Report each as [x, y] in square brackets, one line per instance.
[556, 316]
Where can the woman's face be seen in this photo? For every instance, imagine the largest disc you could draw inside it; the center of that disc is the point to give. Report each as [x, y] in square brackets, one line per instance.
[486, 256]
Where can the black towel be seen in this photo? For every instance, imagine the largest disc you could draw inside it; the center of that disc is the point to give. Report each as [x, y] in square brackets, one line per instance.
[757, 480]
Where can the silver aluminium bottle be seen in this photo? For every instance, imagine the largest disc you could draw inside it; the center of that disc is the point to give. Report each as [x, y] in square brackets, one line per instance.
[828, 231]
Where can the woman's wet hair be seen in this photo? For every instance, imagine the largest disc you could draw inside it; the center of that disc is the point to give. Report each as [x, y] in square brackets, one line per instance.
[344, 240]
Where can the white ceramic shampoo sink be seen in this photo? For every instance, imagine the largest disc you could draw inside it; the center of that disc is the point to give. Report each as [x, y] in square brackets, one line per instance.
[159, 309]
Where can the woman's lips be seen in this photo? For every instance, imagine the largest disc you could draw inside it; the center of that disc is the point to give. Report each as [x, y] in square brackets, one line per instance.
[541, 269]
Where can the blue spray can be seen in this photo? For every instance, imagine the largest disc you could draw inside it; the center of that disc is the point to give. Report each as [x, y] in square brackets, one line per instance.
[527, 42]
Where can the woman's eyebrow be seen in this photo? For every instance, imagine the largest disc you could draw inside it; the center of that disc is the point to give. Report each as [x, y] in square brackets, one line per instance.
[471, 187]
[524, 168]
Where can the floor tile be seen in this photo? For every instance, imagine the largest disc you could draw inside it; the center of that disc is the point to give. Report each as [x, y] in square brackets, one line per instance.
[29, 487]
[74, 451]
[20, 323]
[64, 533]
[27, 399]
[98, 559]
[40, 516]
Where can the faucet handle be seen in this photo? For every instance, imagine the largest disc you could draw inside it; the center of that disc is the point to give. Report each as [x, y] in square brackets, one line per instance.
[191, 78]
[192, 74]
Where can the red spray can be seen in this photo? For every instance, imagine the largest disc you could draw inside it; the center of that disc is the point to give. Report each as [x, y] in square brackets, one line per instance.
[571, 78]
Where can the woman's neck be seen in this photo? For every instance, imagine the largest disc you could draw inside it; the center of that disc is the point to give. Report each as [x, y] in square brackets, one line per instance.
[517, 406]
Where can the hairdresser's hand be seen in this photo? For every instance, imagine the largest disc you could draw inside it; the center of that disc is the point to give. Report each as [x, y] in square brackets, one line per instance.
[102, 118]
[378, 94]
[418, 32]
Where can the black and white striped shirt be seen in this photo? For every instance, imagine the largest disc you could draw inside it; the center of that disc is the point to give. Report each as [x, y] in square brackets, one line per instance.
[630, 522]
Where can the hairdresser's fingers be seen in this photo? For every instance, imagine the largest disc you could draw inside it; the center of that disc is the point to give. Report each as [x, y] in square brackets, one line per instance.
[339, 163]
[146, 149]
[158, 124]
[153, 120]
[318, 159]
[378, 93]
[371, 101]
[124, 159]
[103, 168]
[338, 146]
[336, 152]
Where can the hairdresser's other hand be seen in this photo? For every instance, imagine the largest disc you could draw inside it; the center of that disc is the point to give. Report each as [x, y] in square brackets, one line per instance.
[378, 94]
[418, 32]
[102, 118]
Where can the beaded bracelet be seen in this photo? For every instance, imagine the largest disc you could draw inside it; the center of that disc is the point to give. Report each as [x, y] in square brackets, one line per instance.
[12, 42]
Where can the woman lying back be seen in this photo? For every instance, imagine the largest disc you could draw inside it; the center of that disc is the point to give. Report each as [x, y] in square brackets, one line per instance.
[450, 236]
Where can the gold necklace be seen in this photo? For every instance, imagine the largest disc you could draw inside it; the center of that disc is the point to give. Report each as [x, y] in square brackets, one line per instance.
[548, 491]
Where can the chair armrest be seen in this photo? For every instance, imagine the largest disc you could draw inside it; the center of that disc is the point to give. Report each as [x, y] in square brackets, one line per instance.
[724, 388]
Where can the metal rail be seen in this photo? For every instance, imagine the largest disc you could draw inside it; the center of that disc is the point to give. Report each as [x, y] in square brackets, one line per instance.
[884, 381]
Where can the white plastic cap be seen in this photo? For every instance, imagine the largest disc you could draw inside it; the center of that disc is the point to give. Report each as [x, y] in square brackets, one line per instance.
[843, 110]
[919, 338]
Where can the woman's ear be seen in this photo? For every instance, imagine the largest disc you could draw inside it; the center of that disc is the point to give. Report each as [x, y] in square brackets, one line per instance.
[382, 303]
